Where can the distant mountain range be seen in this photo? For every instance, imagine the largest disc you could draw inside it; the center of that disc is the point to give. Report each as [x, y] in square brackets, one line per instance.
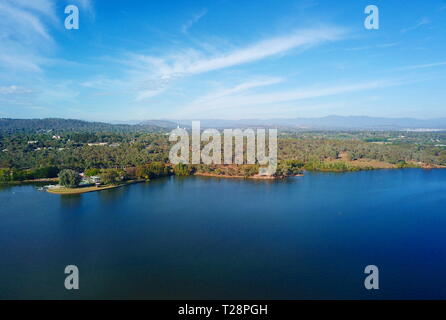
[323, 123]
[327, 123]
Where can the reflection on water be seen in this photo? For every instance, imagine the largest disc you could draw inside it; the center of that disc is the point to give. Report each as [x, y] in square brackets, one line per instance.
[199, 237]
[69, 201]
[111, 195]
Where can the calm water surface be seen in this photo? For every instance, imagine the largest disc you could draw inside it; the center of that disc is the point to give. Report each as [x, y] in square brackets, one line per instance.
[306, 237]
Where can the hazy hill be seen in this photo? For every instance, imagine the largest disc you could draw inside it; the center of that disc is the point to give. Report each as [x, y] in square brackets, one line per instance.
[329, 122]
[325, 123]
[60, 125]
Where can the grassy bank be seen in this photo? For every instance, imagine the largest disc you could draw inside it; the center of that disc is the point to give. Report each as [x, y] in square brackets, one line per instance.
[80, 190]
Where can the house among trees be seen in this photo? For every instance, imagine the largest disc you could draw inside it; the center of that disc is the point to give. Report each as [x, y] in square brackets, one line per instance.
[95, 179]
[90, 179]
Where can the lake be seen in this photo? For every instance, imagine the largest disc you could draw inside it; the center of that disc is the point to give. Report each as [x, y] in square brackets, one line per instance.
[205, 238]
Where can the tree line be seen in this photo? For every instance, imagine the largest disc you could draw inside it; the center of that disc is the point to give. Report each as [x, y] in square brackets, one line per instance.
[143, 154]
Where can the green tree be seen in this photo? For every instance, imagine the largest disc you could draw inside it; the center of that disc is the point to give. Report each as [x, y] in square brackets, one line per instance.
[20, 175]
[92, 172]
[69, 178]
[152, 170]
[182, 169]
[157, 169]
[5, 175]
[45, 172]
[109, 176]
[249, 170]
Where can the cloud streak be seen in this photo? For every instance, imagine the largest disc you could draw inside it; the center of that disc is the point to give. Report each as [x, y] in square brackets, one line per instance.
[185, 27]
[421, 23]
[192, 62]
[245, 86]
[13, 89]
[234, 103]
[422, 66]
[84, 5]
[25, 38]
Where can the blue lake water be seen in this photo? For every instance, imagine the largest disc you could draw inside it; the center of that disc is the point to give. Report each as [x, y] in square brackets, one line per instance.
[204, 238]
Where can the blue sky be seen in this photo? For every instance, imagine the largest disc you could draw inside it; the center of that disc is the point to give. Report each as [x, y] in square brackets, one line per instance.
[228, 59]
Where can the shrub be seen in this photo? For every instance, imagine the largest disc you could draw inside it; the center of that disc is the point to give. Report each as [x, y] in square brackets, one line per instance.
[182, 169]
[110, 176]
[44, 172]
[69, 178]
[92, 172]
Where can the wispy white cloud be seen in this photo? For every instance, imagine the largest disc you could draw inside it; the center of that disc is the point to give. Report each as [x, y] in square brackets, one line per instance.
[164, 70]
[13, 89]
[26, 43]
[24, 34]
[23, 21]
[42, 92]
[85, 5]
[147, 76]
[422, 22]
[145, 94]
[43, 7]
[422, 66]
[185, 27]
[242, 87]
[27, 51]
[230, 105]
[378, 46]
[193, 62]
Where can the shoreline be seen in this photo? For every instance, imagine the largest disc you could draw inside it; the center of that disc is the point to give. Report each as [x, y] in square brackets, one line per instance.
[370, 164]
[81, 190]
[356, 166]
[254, 177]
